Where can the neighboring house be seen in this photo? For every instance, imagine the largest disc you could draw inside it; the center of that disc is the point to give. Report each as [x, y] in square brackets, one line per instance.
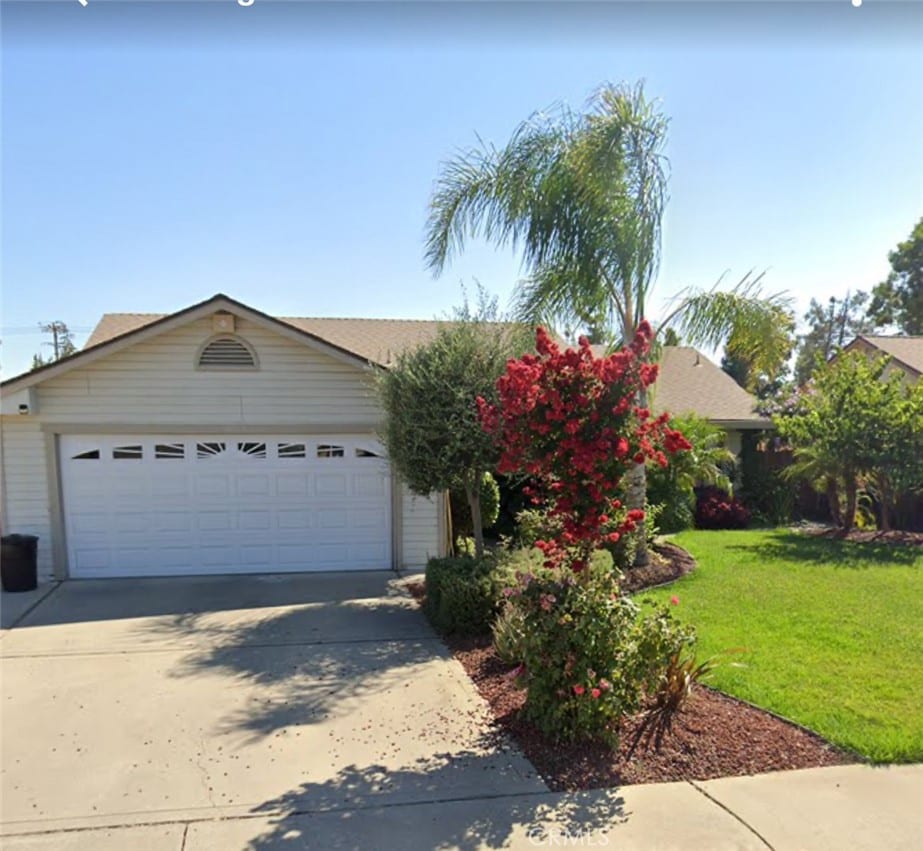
[906, 353]
[689, 383]
[212, 440]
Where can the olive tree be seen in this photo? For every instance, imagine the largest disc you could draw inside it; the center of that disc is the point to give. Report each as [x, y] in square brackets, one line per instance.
[432, 432]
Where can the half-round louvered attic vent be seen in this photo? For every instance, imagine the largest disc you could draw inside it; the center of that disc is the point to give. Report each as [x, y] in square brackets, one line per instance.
[226, 353]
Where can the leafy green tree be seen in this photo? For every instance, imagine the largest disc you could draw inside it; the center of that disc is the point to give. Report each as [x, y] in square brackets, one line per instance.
[854, 426]
[432, 432]
[898, 300]
[582, 195]
[830, 327]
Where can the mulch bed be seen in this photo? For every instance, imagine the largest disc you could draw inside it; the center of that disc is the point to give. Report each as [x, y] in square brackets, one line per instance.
[714, 736]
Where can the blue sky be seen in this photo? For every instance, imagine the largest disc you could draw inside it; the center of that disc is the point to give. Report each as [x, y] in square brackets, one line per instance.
[155, 154]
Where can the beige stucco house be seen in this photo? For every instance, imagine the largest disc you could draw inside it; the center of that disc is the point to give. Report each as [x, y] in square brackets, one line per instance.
[212, 440]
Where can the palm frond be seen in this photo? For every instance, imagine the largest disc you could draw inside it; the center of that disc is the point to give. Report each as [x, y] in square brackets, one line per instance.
[754, 324]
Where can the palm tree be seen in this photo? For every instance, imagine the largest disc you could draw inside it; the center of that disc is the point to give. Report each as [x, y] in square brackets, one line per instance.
[582, 195]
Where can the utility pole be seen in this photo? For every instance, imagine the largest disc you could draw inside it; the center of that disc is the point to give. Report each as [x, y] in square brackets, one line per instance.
[62, 341]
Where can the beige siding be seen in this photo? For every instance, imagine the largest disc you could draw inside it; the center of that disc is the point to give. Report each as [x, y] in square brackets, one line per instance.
[155, 383]
[421, 525]
[25, 485]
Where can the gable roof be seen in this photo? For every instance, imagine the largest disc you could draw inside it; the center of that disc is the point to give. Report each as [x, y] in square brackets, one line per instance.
[689, 383]
[907, 350]
[378, 341]
[140, 326]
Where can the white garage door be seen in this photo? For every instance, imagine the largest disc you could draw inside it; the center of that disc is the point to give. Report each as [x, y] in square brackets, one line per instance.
[160, 505]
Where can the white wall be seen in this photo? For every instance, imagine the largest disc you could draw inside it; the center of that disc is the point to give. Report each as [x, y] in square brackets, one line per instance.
[422, 526]
[24, 484]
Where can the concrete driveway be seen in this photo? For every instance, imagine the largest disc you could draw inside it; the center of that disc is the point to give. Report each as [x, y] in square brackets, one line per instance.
[170, 702]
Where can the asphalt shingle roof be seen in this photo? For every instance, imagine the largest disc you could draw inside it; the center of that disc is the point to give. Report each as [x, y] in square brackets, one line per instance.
[688, 383]
[908, 350]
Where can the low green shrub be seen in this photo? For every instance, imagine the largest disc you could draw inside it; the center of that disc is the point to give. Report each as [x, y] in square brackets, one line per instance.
[464, 594]
[590, 656]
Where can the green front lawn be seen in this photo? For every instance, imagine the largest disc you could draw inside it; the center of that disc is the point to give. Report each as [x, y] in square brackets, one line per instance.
[833, 632]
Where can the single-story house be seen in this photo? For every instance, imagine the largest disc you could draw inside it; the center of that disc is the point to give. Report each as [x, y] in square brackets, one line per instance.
[906, 352]
[689, 383]
[212, 440]
[219, 439]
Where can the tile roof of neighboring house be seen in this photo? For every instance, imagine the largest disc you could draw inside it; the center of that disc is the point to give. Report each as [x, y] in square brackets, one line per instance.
[688, 383]
[907, 350]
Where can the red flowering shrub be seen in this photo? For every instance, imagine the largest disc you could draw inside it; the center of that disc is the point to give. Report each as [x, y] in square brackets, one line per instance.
[569, 419]
[715, 509]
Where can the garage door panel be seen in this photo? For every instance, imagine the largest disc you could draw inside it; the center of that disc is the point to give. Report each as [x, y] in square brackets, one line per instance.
[214, 521]
[213, 484]
[249, 485]
[88, 559]
[130, 522]
[368, 486]
[330, 485]
[171, 521]
[260, 521]
[169, 505]
[170, 485]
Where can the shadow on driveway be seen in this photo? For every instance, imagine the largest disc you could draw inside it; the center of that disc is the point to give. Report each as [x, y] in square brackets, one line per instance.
[307, 664]
[346, 812]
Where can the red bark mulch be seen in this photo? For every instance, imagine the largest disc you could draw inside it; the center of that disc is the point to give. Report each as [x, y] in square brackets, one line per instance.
[714, 736]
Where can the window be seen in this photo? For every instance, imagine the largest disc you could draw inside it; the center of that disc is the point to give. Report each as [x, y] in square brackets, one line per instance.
[292, 450]
[209, 450]
[89, 455]
[254, 450]
[123, 453]
[330, 450]
[226, 352]
[366, 453]
[170, 450]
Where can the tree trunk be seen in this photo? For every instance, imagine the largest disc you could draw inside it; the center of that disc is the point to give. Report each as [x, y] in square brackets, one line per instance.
[635, 492]
[885, 499]
[635, 497]
[852, 495]
[833, 501]
[473, 492]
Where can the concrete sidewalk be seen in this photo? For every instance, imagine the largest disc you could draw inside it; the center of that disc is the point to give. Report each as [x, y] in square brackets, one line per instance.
[845, 807]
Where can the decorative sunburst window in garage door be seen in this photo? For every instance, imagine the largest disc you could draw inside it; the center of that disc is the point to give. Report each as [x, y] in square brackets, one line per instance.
[222, 449]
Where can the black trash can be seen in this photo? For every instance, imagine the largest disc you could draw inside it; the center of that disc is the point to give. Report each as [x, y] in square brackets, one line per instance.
[18, 562]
